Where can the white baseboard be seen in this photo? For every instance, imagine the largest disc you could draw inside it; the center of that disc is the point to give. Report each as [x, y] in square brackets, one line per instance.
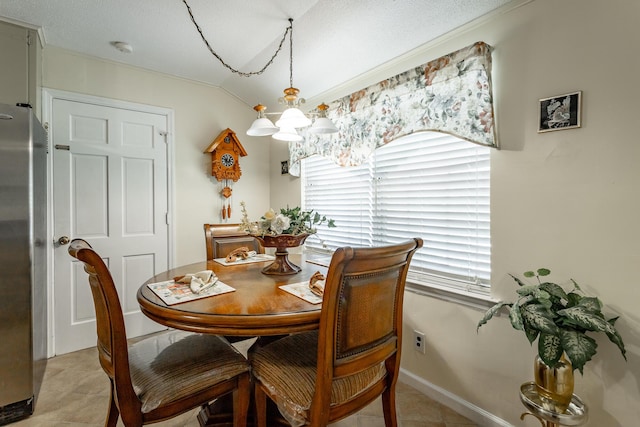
[461, 406]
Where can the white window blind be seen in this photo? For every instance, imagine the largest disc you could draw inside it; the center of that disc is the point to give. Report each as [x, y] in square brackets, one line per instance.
[429, 185]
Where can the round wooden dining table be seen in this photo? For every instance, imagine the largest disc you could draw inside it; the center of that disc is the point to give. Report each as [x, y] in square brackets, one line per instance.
[257, 306]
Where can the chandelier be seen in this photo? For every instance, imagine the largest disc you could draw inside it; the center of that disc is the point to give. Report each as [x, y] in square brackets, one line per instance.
[292, 118]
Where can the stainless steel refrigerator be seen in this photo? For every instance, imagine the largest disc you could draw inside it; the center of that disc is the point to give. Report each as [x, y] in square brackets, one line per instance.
[23, 261]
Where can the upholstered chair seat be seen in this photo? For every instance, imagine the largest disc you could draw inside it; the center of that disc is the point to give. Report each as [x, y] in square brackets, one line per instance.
[174, 365]
[289, 368]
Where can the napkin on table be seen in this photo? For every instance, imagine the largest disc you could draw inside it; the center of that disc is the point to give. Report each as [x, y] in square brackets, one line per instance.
[316, 283]
[198, 282]
[240, 253]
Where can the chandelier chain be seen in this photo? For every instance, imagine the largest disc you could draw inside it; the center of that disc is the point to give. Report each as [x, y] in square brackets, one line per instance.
[289, 31]
[290, 52]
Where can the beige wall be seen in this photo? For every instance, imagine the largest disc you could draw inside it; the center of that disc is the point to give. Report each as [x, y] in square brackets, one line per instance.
[20, 66]
[201, 113]
[565, 200]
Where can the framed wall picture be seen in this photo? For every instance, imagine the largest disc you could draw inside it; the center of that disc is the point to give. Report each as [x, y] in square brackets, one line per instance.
[560, 112]
[284, 167]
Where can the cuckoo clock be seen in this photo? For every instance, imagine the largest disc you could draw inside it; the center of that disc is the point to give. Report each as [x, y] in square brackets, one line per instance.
[226, 151]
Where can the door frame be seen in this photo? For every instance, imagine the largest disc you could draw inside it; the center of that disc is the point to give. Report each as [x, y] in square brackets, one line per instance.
[48, 96]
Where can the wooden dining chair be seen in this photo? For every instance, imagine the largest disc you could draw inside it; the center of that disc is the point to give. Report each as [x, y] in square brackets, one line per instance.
[165, 375]
[220, 239]
[316, 378]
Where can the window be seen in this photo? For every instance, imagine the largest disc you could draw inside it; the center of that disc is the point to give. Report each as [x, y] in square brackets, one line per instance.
[427, 184]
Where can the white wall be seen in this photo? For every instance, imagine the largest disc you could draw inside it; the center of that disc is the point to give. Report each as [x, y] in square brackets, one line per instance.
[201, 113]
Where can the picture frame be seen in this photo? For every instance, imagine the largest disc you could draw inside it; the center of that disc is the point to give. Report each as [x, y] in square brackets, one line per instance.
[284, 167]
[560, 112]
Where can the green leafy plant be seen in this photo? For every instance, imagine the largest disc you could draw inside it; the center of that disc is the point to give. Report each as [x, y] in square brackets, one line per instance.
[559, 320]
[292, 221]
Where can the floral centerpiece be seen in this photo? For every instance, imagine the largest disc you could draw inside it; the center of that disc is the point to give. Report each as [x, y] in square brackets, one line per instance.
[292, 221]
[287, 229]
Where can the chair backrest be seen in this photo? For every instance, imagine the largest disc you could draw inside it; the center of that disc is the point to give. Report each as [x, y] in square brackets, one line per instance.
[221, 239]
[113, 352]
[361, 319]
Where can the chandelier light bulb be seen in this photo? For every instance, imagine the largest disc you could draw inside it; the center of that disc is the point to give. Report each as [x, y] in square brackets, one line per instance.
[322, 125]
[293, 117]
[261, 126]
[287, 134]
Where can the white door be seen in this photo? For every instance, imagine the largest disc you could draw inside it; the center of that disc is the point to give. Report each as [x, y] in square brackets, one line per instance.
[109, 188]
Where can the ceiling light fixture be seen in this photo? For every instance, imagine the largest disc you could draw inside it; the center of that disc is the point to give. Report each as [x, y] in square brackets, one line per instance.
[123, 47]
[292, 118]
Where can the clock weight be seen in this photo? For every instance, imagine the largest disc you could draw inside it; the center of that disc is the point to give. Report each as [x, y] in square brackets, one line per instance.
[226, 193]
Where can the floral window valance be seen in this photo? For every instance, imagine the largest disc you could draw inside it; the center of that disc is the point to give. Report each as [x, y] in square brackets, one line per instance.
[451, 94]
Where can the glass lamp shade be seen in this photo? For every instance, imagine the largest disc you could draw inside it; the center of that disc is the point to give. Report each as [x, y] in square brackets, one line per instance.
[287, 134]
[293, 118]
[323, 125]
[262, 127]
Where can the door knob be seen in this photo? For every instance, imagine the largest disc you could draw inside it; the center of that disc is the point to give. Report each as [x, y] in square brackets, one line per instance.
[63, 240]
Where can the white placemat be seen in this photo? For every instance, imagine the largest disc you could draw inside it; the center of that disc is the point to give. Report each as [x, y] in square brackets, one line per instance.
[173, 293]
[239, 261]
[301, 290]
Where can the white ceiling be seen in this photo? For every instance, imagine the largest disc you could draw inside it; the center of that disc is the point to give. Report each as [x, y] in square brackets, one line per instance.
[333, 41]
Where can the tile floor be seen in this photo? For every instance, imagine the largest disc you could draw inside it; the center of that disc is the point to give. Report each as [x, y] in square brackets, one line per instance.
[75, 393]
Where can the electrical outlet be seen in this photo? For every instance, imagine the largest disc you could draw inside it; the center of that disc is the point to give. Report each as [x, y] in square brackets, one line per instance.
[419, 342]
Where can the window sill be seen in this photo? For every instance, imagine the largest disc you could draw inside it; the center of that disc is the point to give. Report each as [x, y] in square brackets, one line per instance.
[479, 299]
[476, 297]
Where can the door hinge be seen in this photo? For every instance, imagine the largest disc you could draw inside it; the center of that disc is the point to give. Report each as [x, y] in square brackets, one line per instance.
[28, 39]
[164, 135]
[166, 218]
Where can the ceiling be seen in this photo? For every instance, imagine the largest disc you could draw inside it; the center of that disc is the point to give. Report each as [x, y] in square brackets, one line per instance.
[334, 41]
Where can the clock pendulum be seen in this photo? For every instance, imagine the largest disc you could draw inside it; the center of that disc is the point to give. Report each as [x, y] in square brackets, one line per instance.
[226, 193]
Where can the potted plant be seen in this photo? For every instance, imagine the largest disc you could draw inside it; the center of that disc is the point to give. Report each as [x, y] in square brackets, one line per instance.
[560, 321]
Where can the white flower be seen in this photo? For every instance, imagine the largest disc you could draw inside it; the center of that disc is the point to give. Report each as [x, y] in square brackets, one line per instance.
[280, 223]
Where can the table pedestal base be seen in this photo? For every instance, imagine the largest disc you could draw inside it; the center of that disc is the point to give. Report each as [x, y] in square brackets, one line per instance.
[220, 414]
[215, 415]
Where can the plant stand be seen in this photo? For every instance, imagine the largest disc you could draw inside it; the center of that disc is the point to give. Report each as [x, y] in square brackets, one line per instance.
[575, 415]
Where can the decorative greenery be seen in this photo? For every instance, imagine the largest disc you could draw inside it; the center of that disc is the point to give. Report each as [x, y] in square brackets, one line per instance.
[559, 320]
[292, 221]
